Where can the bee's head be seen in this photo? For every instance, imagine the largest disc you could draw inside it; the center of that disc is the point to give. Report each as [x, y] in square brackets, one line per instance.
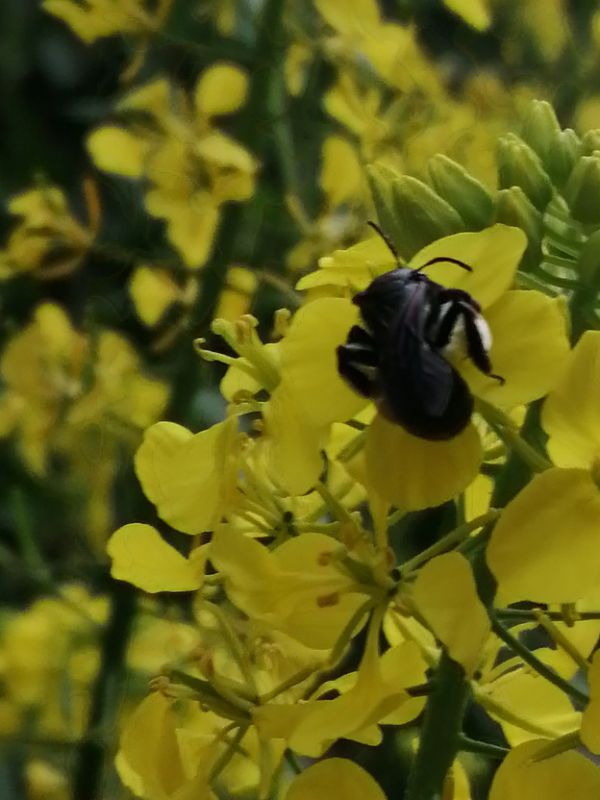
[384, 295]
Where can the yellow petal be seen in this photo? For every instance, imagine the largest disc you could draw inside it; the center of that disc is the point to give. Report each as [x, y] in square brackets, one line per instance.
[446, 597]
[546, 545]
[568, 775]
[191, 227]
[415, 473]
[117, 150]
[150, 764]
[571, 413]
[341, 173]
[590, 724]
[354, 267]
[530, 696]
[478, 496]
[404, 664]
[187, 476]
[293, 446]
[529, 349]
[475, 13]
[295, 589]
[224, 152]
[141, 556]
[152, 291]
[353, 17]
[309, 363]
[493, 254]
[221, 89]
[334, 778]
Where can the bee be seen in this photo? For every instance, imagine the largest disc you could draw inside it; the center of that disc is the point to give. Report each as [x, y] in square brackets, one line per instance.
[399, 356]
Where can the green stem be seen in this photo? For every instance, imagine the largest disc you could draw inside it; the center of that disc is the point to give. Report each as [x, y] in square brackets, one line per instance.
[526, 614]
[506, 430]
[530, 658]
[440, 739]
[227, 754]
[469, 745]
[105, 702]
[448, 541]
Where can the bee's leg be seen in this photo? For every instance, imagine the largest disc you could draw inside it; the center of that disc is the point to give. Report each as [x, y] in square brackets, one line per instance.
[359, 336]
[358, 365]
[476, 349]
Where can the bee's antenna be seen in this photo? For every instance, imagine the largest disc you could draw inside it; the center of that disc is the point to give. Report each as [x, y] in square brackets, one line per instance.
[386, 239]
[444, 260]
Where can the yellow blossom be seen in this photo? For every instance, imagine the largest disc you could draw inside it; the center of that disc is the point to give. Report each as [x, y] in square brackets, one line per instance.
[192, 167]
[99, 18]
[47, 240]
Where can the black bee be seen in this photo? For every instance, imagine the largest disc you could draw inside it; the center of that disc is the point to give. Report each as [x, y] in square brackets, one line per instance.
[398, 356]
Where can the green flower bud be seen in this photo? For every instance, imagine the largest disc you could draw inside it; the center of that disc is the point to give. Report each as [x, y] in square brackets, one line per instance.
[465, 194]
[519, 165]
[409, 212]
[590, 142]
[582, 190]
[563, 153]
[540, 128]
[514, 208]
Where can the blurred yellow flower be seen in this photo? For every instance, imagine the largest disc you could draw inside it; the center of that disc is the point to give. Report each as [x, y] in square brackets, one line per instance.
[99, 18]
[47, 240]
[192, 167]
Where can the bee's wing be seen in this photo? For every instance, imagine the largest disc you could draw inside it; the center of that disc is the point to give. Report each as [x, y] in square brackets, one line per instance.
[415, 378]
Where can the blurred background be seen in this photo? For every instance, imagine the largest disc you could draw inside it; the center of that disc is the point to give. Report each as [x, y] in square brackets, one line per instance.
[111, 263]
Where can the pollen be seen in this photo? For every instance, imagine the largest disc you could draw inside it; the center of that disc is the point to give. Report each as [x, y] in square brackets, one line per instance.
[328, 600]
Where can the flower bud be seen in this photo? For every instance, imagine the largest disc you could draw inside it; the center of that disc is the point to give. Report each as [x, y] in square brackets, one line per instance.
[464, 193]
[513, 208]
[519, 165]
[564, 152]
[409, 212]
[590, 142]
[582, 190]
[540, 128]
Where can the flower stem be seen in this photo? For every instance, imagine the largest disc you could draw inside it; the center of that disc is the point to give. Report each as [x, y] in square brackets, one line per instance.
[506, 430]
[440, 739]
[105, 703]
[448, 541]
[469, 745]
[530, 658]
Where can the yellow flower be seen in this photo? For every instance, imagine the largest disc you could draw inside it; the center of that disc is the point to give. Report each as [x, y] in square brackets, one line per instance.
[192, 167]
[545, 546]
[297, 588]
[119, 391]
[375, 694]
[47, 241]
[152, 758]
[99, 18]
[41, 369]
[343, 186]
